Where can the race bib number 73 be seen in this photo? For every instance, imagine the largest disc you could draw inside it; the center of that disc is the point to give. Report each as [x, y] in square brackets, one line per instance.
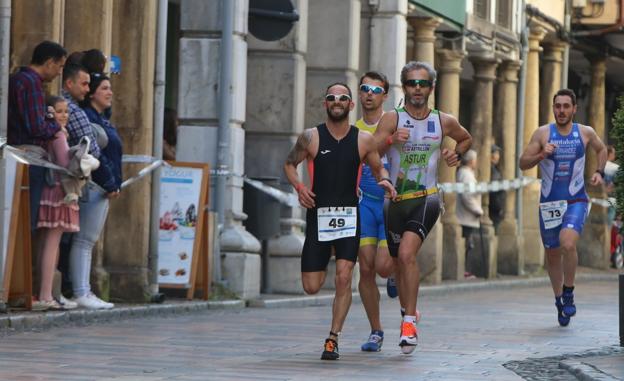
[336, 222]
[552, 213]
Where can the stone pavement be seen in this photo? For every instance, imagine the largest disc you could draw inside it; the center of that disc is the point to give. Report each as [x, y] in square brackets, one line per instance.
[492, 333]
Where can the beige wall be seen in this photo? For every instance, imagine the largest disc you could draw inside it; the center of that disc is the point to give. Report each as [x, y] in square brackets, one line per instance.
[551, 8]
[610, 13]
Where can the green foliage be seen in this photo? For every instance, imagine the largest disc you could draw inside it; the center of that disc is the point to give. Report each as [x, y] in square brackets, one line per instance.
[617, 134]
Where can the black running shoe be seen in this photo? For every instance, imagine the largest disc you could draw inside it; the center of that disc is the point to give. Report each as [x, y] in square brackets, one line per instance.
[330, 350]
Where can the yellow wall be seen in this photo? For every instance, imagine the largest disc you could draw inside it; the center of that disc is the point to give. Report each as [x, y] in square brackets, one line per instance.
[609, 16]
[552, 8]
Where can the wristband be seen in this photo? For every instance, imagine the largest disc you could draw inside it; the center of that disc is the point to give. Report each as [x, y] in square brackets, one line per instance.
[459, 156]
[602, 173]
[299, 186]
[389, 140]
[387, 179]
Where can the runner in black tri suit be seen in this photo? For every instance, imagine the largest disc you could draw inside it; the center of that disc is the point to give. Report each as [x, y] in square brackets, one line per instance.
[334, 151]
[413, 160]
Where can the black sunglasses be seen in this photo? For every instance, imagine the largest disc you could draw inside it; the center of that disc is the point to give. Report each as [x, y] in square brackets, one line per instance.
[335, 98]
[418, 82]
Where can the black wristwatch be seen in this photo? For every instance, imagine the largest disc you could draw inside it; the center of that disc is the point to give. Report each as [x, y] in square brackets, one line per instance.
[459, 156]
[602, 173]
[387, 179]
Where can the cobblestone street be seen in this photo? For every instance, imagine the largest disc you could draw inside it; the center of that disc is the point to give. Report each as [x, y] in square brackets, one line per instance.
[470, 335]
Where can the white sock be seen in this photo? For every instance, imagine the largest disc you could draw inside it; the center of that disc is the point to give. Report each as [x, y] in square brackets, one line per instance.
[409, 319]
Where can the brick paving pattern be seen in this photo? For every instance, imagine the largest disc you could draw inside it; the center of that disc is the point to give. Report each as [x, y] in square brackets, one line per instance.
[463, 336]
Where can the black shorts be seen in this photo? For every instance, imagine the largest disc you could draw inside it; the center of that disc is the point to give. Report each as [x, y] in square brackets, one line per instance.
[416, 215]
[316, 254]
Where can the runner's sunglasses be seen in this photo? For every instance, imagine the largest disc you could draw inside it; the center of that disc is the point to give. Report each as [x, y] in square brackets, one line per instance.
[371, 88]
[418, 82]
[336, 98]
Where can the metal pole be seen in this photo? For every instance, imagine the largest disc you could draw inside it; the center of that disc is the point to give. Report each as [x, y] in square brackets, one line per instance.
[223, 134]
[621, 278]
[520, 114]
[5, 40]
[157, 148]
[566, 50]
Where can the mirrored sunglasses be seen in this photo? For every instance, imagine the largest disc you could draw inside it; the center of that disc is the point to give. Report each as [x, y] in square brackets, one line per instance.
[335, 98]
[371, 88]
[418, 82]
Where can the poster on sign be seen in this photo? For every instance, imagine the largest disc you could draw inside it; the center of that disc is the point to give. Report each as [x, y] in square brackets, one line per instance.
[183, 188]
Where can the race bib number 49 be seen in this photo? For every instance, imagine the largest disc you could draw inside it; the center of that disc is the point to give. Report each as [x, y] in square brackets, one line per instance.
[336, 222]
[552, 213]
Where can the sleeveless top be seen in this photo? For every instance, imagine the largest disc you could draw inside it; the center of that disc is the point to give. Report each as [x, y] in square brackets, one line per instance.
[368, 183]
[335, 169]
[563, 171]
[414, 165]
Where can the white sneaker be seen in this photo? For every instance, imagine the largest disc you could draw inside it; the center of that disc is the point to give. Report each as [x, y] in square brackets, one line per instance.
[67, 304]
[92, 302]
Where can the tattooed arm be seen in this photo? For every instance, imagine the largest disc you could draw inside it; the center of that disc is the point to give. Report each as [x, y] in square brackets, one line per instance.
[303, 149]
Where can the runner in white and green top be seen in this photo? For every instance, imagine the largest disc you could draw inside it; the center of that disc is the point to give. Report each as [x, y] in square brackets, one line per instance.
[413, 159]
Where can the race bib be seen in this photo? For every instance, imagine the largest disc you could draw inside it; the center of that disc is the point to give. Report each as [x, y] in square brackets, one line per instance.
[336, 222]
[552, 213]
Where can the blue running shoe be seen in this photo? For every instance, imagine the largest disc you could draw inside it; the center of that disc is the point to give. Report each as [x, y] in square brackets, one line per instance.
[569, 309]
[375, 340]
[563, 320]
[391, 287]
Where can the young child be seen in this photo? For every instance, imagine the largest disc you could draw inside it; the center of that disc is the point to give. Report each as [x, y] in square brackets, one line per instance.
[55, 215]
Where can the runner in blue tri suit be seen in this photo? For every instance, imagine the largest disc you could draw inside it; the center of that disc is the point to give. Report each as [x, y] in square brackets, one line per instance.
[559, 149]
[373, 254]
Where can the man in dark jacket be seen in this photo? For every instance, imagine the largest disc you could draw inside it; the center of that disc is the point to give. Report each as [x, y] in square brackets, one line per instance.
[497, 199]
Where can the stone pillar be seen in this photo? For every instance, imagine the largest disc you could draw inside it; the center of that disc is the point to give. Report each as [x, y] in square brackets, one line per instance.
[481, 128]
[383, 41]
[198, 111]
[551, 78]
[510, 256]
[533, 248]
[424, 42]
[449, 66]
[33, 21]
[98, 16]
[275, 114]
[430, 255]
[593, 247]
[333, 53]
[126, 259]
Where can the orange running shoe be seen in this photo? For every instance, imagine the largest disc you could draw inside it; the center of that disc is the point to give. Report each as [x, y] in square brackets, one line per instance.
[409, 337]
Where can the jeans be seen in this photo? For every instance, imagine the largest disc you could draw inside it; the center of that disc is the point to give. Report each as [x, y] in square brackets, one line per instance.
[36, 180]
[93, 212]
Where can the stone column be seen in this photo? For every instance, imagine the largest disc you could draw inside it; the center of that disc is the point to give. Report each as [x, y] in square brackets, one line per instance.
[449, 66]
[198, 110]
[533, 248]
[481, 127]
[333, 53]
[95, 31]
[33, 21]
[510, 256]
[430, 255]
[424, 42]
[124, 258]
[383, 41]
[593, 247]
[551, 78]
[275, 114]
